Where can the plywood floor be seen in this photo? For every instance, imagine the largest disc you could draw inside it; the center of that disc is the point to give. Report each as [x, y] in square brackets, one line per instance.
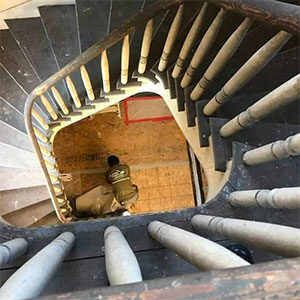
[155, 151]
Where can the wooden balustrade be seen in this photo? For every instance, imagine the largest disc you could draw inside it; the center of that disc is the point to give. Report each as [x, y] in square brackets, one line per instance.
[59, 100]
[50, 165]
[73, 91]
[278, 239]
[48, 107]
[121, 264]
[11, 250]
[256, 62]
[280, 97]
[171, 38]
[189, 41]
[40, 119]
[145, 47]
[273, 151]
[288, 198]
[54, 178]
[222, 58]
[87, 83]
[45, 151]
[40, 135]
[125, 60]
[105, 72]
[203, 48]
[200, 252]
[57, 189]
[30, 280]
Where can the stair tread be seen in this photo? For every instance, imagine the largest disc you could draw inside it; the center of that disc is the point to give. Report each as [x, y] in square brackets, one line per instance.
[259, 134]
[121, 10]
[50, 219]
[11, 91]
[11, 136]
[93, 18]
[13, 157]
[14, 178]
[29, 214]
[238, 104]
[15, 199]
[11, 116]
[61, 25]
[31, 37]
[15, 62]
[280, 69]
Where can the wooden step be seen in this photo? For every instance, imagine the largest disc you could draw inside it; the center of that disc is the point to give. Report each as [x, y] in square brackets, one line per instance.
[60, 23]
[12, 157]
[93, 22]
[259, 134]
[50, 219]
[11, 136]
[12, 200]
[30, 214]
[121, 10]
[32, 38]
[13, 178]
[11, 116]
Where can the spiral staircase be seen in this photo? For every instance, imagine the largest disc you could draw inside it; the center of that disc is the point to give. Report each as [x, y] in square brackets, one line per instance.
[229, 74]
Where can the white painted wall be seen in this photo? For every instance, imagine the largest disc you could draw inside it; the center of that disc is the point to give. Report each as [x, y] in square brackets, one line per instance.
[16, 9]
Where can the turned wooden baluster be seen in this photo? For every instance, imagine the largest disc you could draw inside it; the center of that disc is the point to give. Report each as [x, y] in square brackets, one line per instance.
[276, 150]
[189, 41]
[200, 252]
[45, 151]
[87, 83]
[247, 71]
[221, 59]
[40, 119]
[203, 48]
[145, 47]
[125, 60]
[40, 135]
[280, 97]
[288, 198]
[121, 264]
[48, 107]
[73, 92]
[49, 165]
[105, 72]
[59, 100]
[278, 239]
[171, 38]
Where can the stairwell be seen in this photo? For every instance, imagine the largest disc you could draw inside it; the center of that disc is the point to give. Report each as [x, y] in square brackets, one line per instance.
[229, 74]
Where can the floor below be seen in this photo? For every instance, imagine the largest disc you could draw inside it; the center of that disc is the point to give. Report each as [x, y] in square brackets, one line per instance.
[155, 151]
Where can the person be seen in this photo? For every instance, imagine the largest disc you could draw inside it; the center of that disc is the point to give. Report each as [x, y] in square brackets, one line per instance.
[118, 175]
[102, 202]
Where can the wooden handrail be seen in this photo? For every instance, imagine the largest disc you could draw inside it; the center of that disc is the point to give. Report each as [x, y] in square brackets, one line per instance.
[283, 15]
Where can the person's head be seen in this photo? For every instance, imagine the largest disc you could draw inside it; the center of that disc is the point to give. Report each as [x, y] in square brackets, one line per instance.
[113, 160]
